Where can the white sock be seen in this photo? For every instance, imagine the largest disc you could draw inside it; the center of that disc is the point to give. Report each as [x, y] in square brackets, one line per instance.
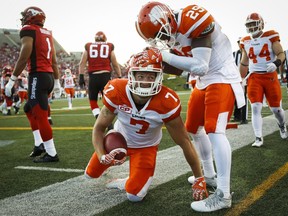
[223, 159]
[37, 138]
[50, 147]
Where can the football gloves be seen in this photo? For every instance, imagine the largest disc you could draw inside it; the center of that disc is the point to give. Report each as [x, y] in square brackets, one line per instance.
[57, 89]
[10, 85]
[150, 55]
[81, 80]
[108, 159]
[199, 189]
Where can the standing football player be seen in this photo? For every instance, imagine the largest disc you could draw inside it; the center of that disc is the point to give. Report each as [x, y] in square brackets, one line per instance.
[38, 52]
[262, 54]
[68, 81]
[100, 56]
[197, 44]
[135, 103]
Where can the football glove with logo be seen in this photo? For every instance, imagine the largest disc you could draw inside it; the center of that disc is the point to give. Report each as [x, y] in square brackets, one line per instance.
[108, 159]
[150, 55]
[199, 189]
[57, 88]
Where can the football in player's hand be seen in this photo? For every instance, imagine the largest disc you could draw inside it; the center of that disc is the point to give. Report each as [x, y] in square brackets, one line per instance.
[115, 140]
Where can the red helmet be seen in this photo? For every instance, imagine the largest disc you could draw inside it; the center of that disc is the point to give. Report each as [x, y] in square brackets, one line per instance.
[157, 23]
[136, 87]
[100, 36]
[33, 15]
[254, 24]
[7, 69]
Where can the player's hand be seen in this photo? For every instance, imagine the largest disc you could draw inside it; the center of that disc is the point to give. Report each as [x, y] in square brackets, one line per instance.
[57, 88]
[271, 67]
[199, 189]
[9, 86]
[108, 159]
[81, 81]
[150, 55]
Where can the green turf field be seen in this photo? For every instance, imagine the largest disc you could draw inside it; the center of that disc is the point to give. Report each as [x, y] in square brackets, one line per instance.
[259, 176]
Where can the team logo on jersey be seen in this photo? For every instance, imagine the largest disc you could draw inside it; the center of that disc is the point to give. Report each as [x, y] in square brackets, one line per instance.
[125, 108]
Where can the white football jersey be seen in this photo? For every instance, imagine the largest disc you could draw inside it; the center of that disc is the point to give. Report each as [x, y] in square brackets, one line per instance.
[141, 128]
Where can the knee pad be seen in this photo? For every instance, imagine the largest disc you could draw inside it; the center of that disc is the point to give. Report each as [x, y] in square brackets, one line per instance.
[27, 107]
[134, 198]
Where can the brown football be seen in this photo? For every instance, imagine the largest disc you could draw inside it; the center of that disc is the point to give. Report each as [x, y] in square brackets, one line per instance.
[113, 140]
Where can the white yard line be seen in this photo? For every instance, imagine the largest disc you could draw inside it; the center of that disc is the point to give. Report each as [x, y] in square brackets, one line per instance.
[82, 196]
[49, 169]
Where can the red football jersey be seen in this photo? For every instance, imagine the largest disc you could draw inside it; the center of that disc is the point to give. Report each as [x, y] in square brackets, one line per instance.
[41, 56]
[99, 56]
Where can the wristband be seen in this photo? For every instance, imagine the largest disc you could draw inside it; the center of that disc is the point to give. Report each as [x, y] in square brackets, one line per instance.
[13, 78]
[243, 64]
[277, 62]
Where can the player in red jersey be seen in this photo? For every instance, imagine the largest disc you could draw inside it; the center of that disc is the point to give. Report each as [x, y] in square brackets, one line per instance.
[135, 102]
[38, 53]
[262, 54]
[99, 56]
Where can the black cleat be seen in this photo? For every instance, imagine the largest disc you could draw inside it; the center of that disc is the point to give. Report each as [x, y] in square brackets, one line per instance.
[16, 110]
[37, 151]
[50, 121]
[46, 158]
[8, 112]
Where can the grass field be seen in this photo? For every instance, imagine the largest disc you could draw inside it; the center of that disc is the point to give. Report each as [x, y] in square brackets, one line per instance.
[259, 176]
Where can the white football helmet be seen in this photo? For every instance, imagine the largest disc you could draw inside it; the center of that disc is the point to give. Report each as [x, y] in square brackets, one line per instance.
[68, 72]
[254, 24]
[140, 87]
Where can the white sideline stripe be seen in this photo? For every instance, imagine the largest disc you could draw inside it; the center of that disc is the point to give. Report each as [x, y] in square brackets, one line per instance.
[49, 169]
[86, 197]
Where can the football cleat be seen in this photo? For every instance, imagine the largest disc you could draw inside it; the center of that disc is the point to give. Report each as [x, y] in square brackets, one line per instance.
[214, 202]
[117, 184]
[38, 150]
[46, 158]
[16, 109]
[211, 182]
[283, 131]
[258, 142]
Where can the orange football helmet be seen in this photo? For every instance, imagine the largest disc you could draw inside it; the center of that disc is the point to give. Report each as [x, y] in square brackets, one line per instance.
[100, 36]
[254, 24]
[156, 23]
[33, 15]
[144, 88]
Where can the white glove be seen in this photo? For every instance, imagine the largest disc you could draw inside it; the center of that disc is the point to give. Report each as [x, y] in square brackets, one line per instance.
[271, 67]
[9, 86]
[57, 88]
[109, 158]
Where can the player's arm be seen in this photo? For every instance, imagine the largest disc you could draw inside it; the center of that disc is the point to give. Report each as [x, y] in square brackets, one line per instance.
[83, 61]
[104, 119]
[278, 50]
[196, 65]
[244, 64]
[25, 52]
[82, 65]
[115, 64]
[180, 136]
